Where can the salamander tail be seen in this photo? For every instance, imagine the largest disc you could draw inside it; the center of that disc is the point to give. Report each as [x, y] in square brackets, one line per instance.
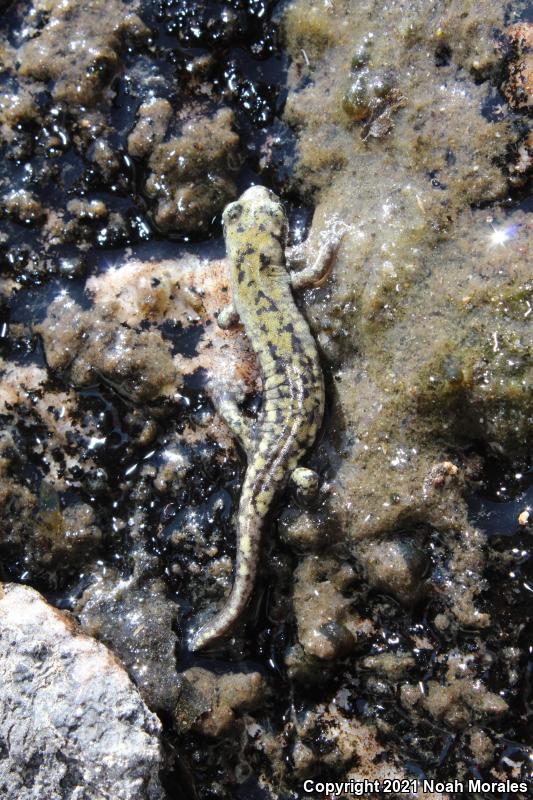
[248, 543]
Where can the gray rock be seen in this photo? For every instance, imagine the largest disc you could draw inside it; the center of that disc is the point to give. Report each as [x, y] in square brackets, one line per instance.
[72, 724]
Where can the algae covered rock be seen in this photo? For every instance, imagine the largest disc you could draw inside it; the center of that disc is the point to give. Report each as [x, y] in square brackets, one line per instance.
[75, 51]
[329, 625]
[190, 170]
[426, 319]
[396, 566]
[212, 704]
[137, 361]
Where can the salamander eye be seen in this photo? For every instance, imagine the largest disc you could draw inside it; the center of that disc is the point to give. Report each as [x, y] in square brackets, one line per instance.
[233, 212]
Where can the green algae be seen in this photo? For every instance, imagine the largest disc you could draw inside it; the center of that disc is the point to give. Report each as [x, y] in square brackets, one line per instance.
[422, 278]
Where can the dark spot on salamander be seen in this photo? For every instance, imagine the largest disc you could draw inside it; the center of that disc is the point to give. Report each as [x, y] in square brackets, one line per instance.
[240, 275]
[264, 261]
[273, 350]
[312, 417]
[289, 327]
[272, 306]
[249, 250]
[280, 239]
[297, 344]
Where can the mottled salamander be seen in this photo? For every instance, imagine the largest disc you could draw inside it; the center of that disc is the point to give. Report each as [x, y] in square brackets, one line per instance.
[255, 230]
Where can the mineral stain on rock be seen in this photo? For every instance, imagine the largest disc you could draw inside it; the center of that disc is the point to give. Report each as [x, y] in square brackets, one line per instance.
[390, 636]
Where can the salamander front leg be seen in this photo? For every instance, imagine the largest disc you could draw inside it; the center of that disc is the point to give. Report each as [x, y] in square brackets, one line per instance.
[228, 317]
[305, 268]
[319, 271]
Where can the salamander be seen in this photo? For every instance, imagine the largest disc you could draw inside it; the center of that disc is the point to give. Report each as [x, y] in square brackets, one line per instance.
[261, 283]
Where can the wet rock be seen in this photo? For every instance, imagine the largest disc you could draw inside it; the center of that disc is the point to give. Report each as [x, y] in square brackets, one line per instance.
[31, 407]
[48, 538]
[74, 50]
[328, 625]
[136, 620]
[458, 704]
[337, 741]
[71, 720]
[310, 26]
[23, 206]
[396, 566]
[175, 467]
[439, 475]
[15, 107]
[392, 665]
[372, 95]
[71, 267]
[138, 362]
[482, 746]
[459, 699]
[62, 539]
[211, 704]
[518, 88]
[356, 101]
[305, 531]
[83, 209]
[120, 337]
[372, 319]
[17, 505]
[153, 118]
[190, 173]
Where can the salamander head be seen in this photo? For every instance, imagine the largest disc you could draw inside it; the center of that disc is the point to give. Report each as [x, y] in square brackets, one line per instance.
[255, 229]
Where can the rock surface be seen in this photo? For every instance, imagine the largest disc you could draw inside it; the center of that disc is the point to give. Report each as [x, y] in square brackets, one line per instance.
[72, 725]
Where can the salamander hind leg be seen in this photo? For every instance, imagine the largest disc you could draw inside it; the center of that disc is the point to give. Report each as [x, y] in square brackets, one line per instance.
[241, 427]
[307, 483]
